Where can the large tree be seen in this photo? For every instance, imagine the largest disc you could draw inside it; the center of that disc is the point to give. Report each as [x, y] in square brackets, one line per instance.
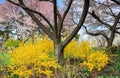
[56, 25]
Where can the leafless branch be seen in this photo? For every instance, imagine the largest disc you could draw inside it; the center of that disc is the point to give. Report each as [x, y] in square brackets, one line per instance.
[34, 18]
[36, 12]
[65, 13]
[98, 18]
[59, 15]
[116, 21]
[116, 1]
[117, 28]
[79, 25]
[90, 33]
[96, 33]
[117, 32]
[55, 17]
[112, 13]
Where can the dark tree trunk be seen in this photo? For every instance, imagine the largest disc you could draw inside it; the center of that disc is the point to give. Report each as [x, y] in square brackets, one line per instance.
[109, 47]
[59, 53]
[109, 44]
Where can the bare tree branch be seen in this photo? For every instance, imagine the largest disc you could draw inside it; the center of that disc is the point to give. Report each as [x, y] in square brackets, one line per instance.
[59, 15]
[117, 32]
[79, 25]
[117, 28]
[36, 12]
[65, 13]
[97, 33]
[116, 21]
[55, 18]
[116, 1]
[102, 22]
[104, 35]
[21, 3]
[112, 12]
[90, 33]
[108, 6]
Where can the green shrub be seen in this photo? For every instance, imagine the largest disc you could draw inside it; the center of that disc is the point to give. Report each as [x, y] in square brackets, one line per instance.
[10, 44]
[4, 60]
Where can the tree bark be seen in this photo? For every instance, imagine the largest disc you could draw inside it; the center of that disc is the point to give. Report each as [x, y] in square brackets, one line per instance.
[59, 52]
[109, 44]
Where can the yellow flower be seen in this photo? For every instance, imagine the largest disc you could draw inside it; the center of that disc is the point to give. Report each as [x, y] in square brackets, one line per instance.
[30, 59]
[78, 49]
[96, 60]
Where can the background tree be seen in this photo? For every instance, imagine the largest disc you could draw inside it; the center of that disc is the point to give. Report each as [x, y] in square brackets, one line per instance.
[56, 27]
[106, 15]
[103, 18]
[14, 18]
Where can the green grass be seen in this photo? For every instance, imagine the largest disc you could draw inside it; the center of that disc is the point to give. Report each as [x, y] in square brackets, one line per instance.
[108, 76]
[4, 59]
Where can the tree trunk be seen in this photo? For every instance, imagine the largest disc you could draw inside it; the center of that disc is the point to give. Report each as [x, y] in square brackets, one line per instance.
[109, 44]
[111, 39]
[59, 53]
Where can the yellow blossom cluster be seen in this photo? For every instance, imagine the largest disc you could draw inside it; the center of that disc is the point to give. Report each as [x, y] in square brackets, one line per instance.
[78, 49]
[32, 59]
[92, 59]
[96, 60]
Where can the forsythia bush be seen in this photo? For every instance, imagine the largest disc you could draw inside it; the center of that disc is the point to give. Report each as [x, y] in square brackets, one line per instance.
[33, 59]
[96, 60]
[78, 50]
[92, 59]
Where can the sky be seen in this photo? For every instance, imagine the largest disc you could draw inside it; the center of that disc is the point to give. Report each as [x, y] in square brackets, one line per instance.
[2, 1]
[60, 4]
